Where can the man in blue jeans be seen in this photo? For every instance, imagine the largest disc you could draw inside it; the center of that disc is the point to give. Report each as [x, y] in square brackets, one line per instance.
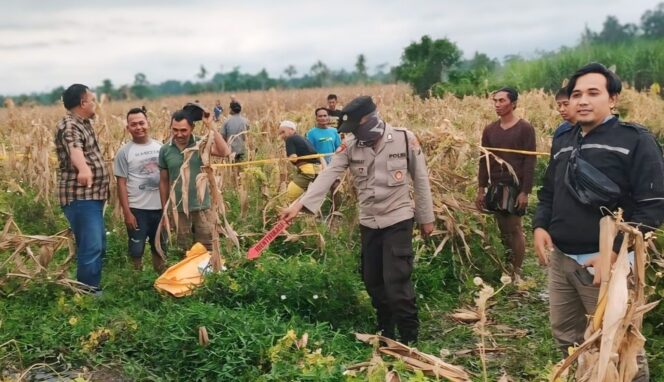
[136, 167]
[83, 182]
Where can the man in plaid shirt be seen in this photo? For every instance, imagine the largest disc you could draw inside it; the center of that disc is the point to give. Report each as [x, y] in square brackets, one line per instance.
[83, 182]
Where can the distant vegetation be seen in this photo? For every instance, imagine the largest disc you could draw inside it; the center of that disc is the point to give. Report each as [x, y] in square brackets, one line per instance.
[434, 67]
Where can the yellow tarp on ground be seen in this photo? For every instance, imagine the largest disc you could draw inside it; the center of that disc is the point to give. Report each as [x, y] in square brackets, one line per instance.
[182, 278]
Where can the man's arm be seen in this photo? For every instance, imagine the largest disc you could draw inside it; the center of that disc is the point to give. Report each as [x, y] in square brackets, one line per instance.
[482, 174]
[77, 158]
[542, 218]
[528, 169]
[647, 185]
[123, 198]
[224, 131]
[317, 191]
[121, 170]
[220, 147]
[417, 167]
[164, 187]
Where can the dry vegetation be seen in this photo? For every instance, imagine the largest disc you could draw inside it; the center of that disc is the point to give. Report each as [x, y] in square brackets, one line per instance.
[449, 129]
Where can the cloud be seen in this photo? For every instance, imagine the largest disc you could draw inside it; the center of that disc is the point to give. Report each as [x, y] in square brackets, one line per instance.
[48, 44]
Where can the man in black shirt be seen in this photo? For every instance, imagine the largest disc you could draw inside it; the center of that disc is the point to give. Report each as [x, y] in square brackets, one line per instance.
[307, 169]
[566, 227]
[332, 111]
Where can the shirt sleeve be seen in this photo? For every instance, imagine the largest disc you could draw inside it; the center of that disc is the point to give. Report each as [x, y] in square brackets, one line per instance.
[224, 131]
[309, 137]
[317, 191]
[72, 137]
[483, 174]
[647, 186]
[337, 139]
[417, 167]
[528, 169]
[542, 217]
[120, 164]
[162, 158]
[290, 146]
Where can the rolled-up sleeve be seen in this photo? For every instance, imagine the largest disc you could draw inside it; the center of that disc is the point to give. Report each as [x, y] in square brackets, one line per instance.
[315, 195]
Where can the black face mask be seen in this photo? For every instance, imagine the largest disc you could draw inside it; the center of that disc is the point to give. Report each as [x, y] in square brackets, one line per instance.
[371, 131]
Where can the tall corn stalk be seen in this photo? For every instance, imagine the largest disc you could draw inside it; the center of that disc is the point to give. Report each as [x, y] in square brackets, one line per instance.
[613, 338]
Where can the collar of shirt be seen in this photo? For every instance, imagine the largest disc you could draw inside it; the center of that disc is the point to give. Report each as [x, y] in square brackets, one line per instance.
[78, 118]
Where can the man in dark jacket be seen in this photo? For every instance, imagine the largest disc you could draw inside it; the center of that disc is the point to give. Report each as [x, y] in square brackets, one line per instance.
[566, 229]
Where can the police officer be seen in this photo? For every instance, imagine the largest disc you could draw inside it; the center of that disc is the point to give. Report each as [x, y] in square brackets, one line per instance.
[626, 157]
[381, 158]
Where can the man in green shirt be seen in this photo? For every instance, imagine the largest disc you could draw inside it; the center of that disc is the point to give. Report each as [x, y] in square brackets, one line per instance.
[171, 158]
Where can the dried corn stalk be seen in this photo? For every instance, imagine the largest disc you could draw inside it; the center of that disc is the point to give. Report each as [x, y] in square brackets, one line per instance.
[613, 338]
[412, 358]
[24, 266]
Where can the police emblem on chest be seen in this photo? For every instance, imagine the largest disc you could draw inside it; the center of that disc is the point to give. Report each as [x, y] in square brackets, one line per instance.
[398, 175]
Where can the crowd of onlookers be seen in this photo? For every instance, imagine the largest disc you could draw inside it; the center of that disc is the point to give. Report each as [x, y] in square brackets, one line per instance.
[598, 163]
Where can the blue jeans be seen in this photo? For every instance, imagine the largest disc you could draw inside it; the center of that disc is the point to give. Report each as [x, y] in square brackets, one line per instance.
[148, 221]
[86, 219]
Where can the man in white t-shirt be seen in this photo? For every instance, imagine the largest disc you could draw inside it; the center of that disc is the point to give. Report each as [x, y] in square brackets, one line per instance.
[136, 168]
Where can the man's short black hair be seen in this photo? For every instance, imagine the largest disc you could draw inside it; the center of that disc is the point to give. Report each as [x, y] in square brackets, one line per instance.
[180, 115]
[235, 107]
[319, 109]
[331, 96]
[562, 94]
[137, 110]
[512, 93]
[613, 83]
[73, 96]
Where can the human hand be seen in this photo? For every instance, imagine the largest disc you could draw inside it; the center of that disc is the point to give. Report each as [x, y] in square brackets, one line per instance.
[165, 223]
[426, 229]
[130, 221]
[479, 200]
[595, 263]
[84, 177]
[291, 212]
[543, 245]
[522, 201]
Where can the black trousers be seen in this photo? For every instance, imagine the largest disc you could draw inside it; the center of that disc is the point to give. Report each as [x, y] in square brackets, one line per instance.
[387, 264]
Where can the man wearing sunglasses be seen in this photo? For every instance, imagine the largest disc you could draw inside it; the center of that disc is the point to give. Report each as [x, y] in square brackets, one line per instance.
[599, 165]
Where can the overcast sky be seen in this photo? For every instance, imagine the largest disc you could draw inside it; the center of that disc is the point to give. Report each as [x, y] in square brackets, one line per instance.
[48, 43]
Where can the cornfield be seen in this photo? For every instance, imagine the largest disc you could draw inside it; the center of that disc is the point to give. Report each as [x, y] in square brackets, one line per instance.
[449, 130]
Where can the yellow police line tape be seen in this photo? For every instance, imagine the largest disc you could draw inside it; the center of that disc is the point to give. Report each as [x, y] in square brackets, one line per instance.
[259, 161]
[515, 151]
[316, 156]
[312, 156]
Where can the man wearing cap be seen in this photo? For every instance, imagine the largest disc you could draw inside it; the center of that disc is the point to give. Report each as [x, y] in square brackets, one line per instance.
[307, 169]
[171, 159]
[234, 131]
[381, 158]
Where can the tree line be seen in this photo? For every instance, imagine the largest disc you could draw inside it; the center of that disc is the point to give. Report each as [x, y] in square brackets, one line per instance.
[434, 67]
